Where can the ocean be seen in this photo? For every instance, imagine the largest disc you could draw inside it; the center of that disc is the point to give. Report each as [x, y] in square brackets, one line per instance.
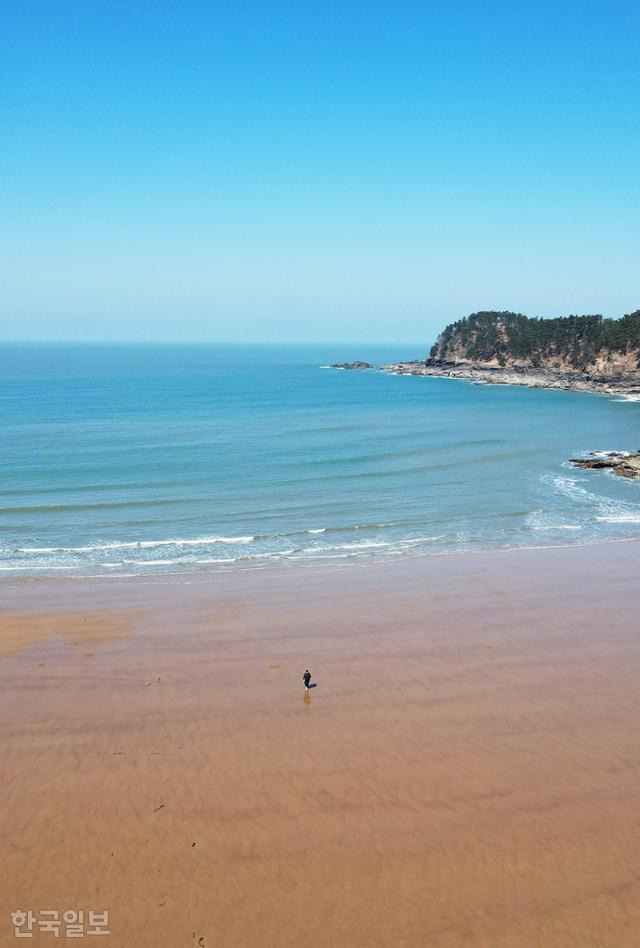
[121, 459]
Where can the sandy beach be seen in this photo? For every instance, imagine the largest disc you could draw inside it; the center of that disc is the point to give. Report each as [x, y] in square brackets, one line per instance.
[465, 773]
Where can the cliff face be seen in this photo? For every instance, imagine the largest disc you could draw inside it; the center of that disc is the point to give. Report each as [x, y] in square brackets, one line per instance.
[573, 344]
[579, 353]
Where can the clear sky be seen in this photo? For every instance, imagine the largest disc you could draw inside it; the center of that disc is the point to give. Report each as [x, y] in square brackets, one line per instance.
[291, 170]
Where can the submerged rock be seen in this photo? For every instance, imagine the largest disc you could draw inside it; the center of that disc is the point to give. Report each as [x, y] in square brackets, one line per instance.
[626, 465]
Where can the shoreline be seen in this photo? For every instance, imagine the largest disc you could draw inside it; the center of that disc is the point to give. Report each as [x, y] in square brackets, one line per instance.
[625, 386]
[284, 567]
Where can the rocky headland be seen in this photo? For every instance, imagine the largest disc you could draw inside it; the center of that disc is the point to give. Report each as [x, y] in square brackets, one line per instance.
[577, 353]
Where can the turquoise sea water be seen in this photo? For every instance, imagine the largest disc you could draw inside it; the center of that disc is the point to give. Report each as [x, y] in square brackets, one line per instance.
[125, 459]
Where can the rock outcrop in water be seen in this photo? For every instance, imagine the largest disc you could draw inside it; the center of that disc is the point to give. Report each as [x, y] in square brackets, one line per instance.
[352, 365]
[626, 465]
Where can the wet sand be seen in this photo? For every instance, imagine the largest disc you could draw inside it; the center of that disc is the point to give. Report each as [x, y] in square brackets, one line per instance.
[465, 773]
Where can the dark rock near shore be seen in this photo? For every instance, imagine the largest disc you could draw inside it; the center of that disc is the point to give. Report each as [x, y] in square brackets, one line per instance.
[626, 465]
[620, 383]
[352, 365]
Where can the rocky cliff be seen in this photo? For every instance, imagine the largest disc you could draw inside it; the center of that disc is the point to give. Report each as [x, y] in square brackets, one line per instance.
[591, 344]
[584, 353]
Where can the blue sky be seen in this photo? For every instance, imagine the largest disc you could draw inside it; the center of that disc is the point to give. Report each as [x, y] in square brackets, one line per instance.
[273, 171]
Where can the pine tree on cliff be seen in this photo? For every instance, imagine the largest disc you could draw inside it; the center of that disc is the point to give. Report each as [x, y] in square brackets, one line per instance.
[491, 336]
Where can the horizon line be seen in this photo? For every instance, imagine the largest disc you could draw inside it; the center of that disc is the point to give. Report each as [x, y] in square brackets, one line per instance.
[199, 342]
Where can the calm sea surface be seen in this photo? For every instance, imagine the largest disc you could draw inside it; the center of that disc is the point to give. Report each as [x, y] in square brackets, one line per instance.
[124, 459]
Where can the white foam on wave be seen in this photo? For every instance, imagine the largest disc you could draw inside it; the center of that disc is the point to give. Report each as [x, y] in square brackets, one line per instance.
[177, 561]
[133, 545]
[605, 509]
[319, 530]
[6, 567]
[356, 547]
[415, 541]
[608, 454]
[361, 545]
[621, 518]
[265, 556]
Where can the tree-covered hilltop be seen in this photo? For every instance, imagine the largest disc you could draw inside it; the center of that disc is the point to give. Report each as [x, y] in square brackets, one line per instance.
[505, 338]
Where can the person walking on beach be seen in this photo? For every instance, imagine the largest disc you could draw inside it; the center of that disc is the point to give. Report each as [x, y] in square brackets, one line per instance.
[307, 679]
